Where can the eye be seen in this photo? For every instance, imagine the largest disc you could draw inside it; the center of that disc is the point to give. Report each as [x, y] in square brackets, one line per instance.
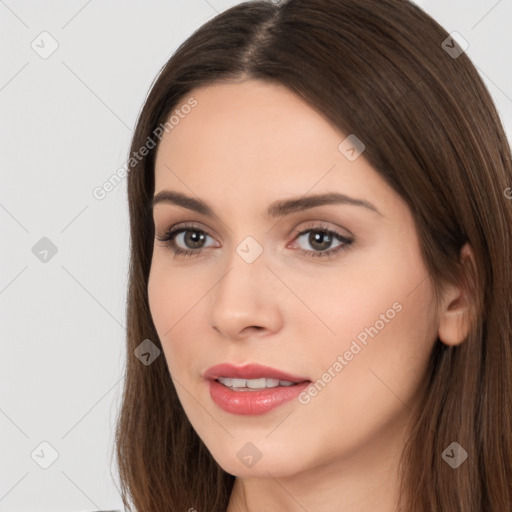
[188, 240]
[321, 238]
[187, 235]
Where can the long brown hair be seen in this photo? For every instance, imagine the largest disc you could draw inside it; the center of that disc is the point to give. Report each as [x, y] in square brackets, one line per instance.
[387, 72]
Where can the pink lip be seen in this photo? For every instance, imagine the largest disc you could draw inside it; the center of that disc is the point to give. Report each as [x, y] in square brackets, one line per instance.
[249, 371]
[252, 402]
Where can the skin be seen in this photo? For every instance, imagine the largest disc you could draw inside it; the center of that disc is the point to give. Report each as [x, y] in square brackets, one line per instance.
[243, 146]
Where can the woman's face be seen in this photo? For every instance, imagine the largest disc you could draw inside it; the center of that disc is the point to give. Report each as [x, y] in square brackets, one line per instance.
[347, 316]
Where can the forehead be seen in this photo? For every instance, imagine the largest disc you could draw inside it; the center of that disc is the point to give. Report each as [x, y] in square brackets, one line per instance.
[247, 126]
[257, 139]
[252, 120]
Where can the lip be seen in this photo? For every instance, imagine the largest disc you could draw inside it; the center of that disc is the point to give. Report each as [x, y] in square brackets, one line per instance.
[250, 371]
[252, 402]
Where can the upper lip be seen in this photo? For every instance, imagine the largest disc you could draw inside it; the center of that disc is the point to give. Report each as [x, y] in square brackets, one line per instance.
[250, 371]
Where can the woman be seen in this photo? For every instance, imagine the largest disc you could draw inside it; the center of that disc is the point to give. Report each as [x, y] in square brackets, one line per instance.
[320, 250]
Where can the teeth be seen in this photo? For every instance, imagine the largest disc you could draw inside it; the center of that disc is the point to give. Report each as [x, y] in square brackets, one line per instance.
[262, 383]
[256, 383]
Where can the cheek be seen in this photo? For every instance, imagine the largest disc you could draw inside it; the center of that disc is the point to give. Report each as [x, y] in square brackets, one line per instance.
[380, 313]
[174, 298]
[385, 330]
[161, 300]
[382, 365]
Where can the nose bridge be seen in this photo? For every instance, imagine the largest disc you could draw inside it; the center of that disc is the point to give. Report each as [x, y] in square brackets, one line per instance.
[245, 295]
[246, 276]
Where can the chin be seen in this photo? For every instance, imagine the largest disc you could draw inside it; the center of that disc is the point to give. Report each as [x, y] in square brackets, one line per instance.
[241, 464]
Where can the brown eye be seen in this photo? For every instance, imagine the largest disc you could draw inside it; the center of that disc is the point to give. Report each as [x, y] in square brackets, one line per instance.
[320, 239]
[186, 240]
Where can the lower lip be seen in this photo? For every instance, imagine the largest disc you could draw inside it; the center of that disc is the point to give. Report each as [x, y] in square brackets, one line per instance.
[253, 402]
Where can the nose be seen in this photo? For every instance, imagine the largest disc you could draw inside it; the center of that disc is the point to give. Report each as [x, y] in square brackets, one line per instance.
[246, 301]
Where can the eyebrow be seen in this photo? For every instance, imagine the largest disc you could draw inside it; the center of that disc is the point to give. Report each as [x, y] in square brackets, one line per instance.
[278, 208]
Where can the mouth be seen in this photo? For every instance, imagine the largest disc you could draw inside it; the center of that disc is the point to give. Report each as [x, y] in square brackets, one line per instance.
[252, 389]
[252, 372]
[253, 384]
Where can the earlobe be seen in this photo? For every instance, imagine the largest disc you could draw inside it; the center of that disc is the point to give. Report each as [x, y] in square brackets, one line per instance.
[455, 315]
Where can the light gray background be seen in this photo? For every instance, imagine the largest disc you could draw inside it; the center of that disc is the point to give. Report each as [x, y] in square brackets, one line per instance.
[65, 127]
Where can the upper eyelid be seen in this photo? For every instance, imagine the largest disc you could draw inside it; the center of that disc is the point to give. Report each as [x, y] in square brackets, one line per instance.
[296, 217]
[311, 224]
[183, 226]
[179, 227]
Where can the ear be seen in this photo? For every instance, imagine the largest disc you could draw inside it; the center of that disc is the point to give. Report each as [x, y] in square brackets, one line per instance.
[456, 307]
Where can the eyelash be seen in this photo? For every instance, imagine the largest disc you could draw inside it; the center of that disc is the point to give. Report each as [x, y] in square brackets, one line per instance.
[170, 235]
